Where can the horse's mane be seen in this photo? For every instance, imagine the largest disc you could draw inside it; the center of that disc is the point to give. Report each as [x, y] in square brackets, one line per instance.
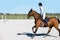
[37, 13]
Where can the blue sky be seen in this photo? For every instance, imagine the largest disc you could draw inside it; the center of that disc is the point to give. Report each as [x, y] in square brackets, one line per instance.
[23, 6]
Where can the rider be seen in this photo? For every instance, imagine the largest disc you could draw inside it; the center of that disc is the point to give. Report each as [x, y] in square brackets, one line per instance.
[42, 12]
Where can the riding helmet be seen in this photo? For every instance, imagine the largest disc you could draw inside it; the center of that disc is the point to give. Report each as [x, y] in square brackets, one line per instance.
[40, 4]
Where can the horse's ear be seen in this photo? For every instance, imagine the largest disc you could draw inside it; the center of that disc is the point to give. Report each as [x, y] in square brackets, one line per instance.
[31, 9]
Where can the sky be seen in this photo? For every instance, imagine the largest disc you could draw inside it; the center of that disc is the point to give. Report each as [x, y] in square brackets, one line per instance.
[23, 6]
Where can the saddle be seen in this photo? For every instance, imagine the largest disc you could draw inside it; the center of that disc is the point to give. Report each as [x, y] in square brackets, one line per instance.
[46, 20]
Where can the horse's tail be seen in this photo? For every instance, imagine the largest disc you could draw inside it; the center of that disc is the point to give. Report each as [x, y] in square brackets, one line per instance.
[58, 20]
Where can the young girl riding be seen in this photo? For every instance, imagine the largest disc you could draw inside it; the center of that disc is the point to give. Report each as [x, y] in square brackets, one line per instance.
[42, 12]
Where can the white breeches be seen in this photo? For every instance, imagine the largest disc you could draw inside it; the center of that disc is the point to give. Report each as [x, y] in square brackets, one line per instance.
[44, 15]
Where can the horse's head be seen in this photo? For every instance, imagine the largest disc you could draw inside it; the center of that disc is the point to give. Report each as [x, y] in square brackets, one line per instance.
[30, 13]
[34, 14]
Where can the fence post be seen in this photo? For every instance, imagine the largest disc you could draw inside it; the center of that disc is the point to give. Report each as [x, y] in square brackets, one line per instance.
[5, 18]
[2, 17]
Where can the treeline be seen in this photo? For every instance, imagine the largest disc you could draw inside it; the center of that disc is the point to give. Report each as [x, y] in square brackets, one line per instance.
[26, 14]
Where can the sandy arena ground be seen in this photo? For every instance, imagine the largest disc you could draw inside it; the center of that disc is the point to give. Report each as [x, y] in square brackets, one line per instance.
[9, 30]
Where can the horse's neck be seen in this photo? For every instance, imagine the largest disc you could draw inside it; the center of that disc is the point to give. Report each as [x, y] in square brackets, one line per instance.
[36, 17]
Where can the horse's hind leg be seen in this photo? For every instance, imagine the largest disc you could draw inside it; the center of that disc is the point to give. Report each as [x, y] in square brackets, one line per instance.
[49, 29]
[57, 29]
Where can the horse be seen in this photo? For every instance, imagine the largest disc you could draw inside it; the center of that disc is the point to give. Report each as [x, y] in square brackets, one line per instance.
[53, 22]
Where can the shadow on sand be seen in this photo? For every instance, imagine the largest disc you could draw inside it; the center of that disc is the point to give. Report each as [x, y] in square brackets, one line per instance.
[30, 34]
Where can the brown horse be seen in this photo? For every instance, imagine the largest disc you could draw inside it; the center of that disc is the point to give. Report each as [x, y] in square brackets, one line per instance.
[53, 22]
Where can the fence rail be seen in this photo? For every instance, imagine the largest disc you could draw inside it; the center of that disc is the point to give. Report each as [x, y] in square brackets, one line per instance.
[23, 16]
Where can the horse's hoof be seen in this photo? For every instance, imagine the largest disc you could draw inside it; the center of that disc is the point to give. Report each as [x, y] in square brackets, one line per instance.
[44, 35]
[33, 36]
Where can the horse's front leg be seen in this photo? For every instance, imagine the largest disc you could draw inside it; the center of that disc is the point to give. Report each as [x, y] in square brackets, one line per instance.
[33, 28]
[34, 31]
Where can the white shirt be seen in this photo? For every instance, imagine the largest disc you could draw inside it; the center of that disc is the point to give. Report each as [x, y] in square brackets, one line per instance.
[42, 12]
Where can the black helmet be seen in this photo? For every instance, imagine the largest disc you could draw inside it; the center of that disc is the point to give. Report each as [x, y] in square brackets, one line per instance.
[40, 4]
